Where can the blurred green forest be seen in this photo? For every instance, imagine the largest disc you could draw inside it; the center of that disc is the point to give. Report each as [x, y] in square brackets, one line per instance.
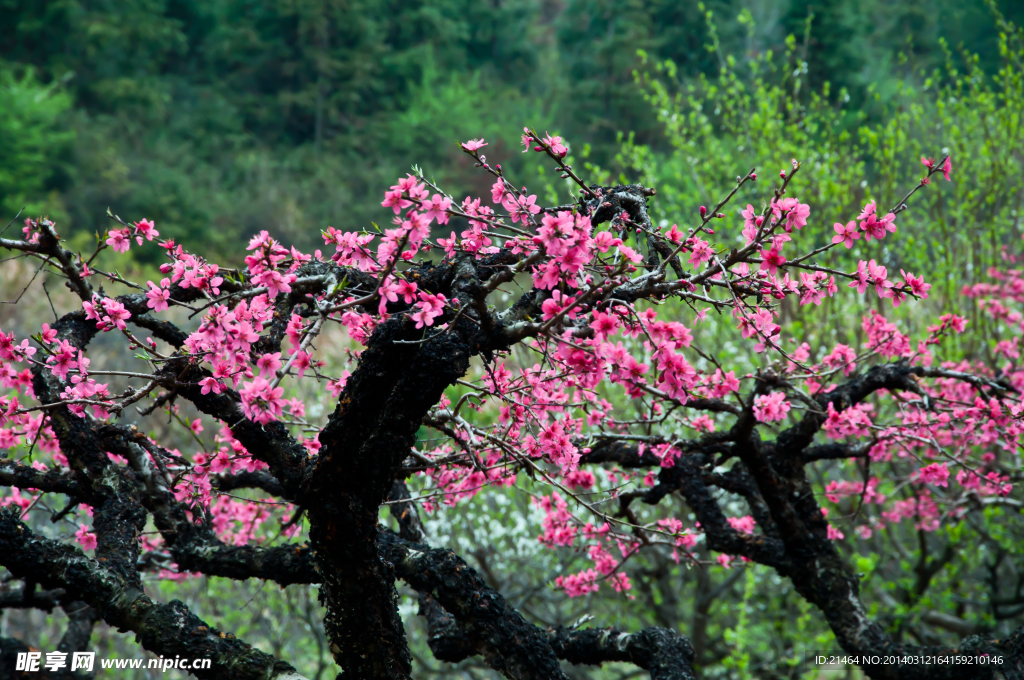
[219, 118]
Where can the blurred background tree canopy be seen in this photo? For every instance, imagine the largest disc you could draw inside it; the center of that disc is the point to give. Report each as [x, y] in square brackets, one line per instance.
[222, 117]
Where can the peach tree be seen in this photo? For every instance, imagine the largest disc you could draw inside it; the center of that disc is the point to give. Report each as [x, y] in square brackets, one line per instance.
[514, 333]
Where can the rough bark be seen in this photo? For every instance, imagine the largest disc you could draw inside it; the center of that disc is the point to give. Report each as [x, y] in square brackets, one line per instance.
[165, 629]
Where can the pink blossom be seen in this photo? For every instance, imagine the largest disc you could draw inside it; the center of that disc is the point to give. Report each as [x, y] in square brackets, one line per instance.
[158, 296]
[604, 325]
[556, 146]
[221, 462]
[877, 275]
[48, 334]
[604, 240]
[703, 423]
[275, 281]
[301, 362]
[261, 402]
[429, 308]
[578, 585]
[771, 407]
[631, 254]
[936, 473]
[116, 315]
[797, 216]
[841, 356]
[269, 364]
[85, 538]
[742, 524]
[407, 290]
[527, 139]
[580, 479]
[846, 235]
[751, 220]
[869, 210]
[63, 359]
[946, 167]
[702, 252]
[211, 385]
[474, 144]
[876, 228]
[771, 260]
[861, 282]
[437, 208]
[119, 240]
[498, 191]
[917, 285]
[393, 199]
[555, 304]
[523, 208]
[147, 229]
[674, 235]
[449, 245]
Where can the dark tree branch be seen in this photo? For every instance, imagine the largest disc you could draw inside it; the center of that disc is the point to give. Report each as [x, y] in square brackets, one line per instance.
[738, 481]
[509, 644]
[687, 477]
[363, 445]
[835, 451]
[27, 597]
[165, 629]
[447, 639]
[27, 477]
[622, 453]
[81, 618]
[406, 513]
[249, 480]
[119, 516]
[271, 443]
[814, 565]
[466, 616]
[662, 652]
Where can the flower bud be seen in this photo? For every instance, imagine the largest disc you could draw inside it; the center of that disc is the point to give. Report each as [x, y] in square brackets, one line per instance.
[782, 174]
[703, 211]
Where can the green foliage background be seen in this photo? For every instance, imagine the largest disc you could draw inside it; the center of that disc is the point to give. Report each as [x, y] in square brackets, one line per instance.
[218, 118]
[222, 117]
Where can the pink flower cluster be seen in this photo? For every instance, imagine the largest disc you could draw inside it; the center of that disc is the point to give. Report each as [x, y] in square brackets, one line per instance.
[120, 239]
[769, 408]
[107, 312]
